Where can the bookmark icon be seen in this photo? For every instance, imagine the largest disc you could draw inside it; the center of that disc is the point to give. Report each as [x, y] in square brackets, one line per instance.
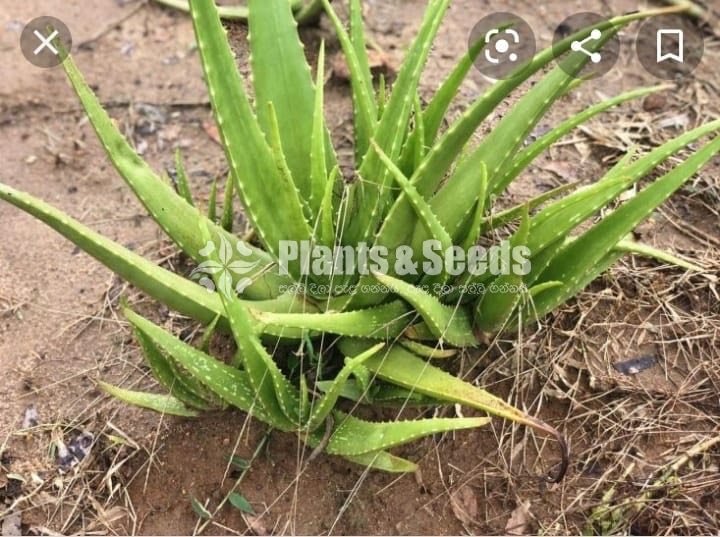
[674, 40]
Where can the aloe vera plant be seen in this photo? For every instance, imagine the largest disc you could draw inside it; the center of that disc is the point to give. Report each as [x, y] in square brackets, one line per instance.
[370, 337]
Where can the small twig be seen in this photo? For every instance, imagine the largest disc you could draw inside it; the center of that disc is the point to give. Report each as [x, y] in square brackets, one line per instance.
[329, 426]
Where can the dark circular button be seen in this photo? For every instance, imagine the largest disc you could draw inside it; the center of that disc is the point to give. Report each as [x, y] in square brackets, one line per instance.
[45, 41]
[670, 47]
[592, 55]
[508, 45]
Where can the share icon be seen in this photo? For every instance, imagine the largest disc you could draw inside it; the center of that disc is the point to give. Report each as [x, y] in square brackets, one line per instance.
[579, 46]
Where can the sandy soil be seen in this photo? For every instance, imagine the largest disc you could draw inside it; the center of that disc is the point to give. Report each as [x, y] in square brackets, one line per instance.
[59, 330]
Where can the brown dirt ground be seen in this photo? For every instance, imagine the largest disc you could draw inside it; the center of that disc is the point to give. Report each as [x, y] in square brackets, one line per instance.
[59, 330]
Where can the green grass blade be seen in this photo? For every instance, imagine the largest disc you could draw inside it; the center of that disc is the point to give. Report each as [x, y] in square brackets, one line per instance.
[628, 246]
[165, 404]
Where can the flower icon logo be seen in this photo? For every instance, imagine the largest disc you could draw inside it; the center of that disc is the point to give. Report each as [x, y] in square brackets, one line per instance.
[218, 271]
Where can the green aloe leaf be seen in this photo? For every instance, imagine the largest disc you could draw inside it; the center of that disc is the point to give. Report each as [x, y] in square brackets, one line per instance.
[169, 288]
[430, 174]
[476, 226]
[579, 261]
[225, 12]
[357, 38]
[364, 106]
[378, 460]
[327, 224]
[318, 160]
[440, 103]
[212, 202]
[381, 460]
[399, 366]
[454, 201]
[447, 323]
[432, 353]
[228, 383]
[245, 146]
[183, 184]
[523, 159]
[502, 218]
[165, 404]
[423, 211]
[381, 322]
[358, 437]
[179, 294]
[494, 310]
[323, 407]
[374, 195]
[281, 75]
[270, 384]
[168, 376]
[383, 395]
[228, 214]
[562, 216]
[438, 162]
[172, 213]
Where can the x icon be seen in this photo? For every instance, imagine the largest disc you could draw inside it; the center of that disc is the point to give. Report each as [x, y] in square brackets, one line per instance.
[45, 42]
